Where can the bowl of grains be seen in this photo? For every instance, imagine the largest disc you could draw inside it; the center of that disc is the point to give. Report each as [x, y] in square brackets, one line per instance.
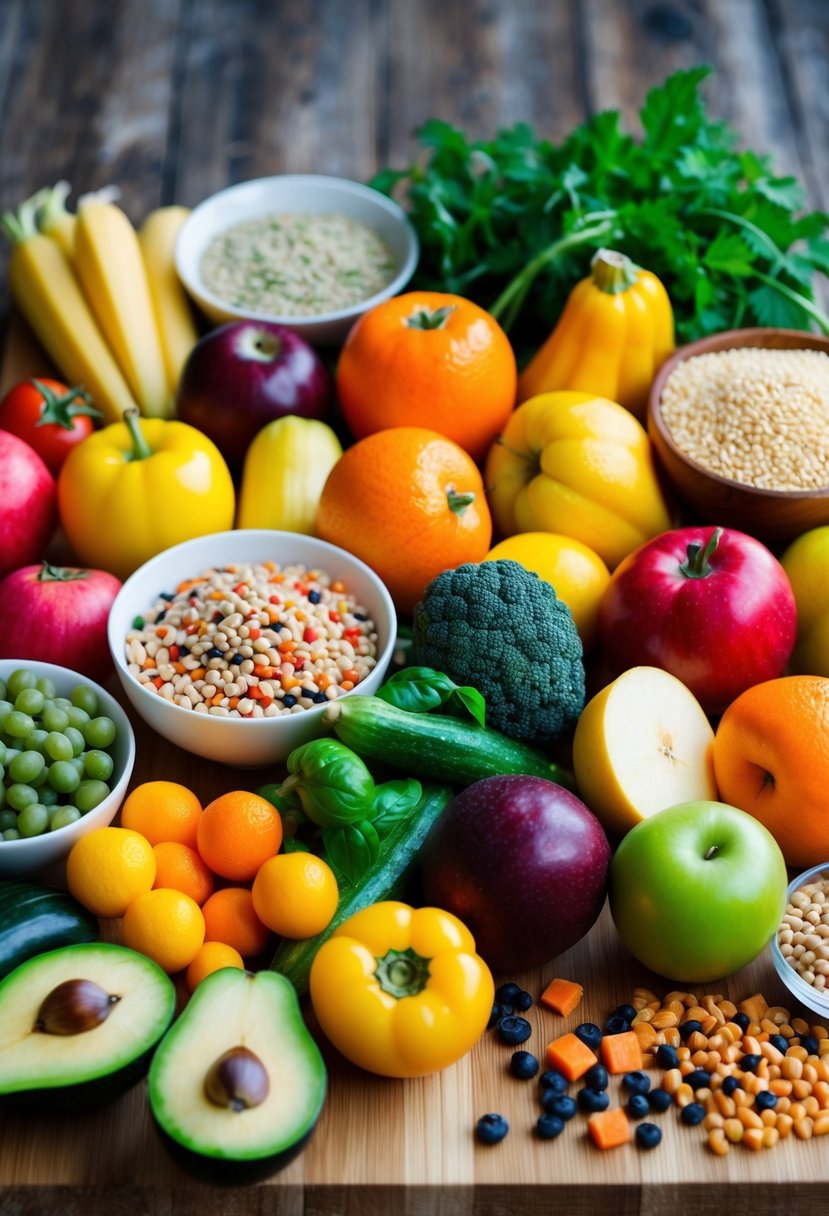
[305, 250]
[231, 645]
[740, 424]
[800, 948]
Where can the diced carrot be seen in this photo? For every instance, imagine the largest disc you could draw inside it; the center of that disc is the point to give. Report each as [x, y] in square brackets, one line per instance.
[570, 1056]
[158, 681]
[609, 1128]
[562, 996]
[622, 1052]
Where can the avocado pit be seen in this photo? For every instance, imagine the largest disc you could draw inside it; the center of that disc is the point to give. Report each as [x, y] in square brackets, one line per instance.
[237, 1079]
[74, 1007]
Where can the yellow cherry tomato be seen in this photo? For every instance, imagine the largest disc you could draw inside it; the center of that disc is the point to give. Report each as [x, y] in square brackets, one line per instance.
[400, 991]
[806, 562]
[577, 574]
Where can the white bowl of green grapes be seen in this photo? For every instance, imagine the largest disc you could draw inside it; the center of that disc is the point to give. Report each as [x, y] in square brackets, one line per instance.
[66, 756]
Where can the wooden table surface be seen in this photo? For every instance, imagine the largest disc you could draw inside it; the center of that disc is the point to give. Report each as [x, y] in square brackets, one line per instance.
[173, 99]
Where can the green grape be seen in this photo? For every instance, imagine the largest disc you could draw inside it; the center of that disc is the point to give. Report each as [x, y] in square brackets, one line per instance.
[46, 686]
[78, 763]
[11, 752]
[11, 834]
[89, 794]
[77, 717]
[33, 820]
[99, 732]
[3, 750]
[54, 718]
[34, 740]
[63, 703]
[98, 764]
[18, 680]
[42, 777]
[63, 816]
[48, 796]
[18, 724]
[76, 739]
[20, 796]
[2, 689]
[58, 747]
[27, 767]
[30, 701]
[64, 776]
[5, 708]
[8, 819]
[85, 698]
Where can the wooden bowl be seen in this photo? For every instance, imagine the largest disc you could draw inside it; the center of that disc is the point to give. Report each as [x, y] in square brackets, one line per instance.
[773, 515]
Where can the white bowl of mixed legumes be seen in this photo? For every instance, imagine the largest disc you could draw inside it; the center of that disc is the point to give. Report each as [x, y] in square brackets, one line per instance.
[800, 947]
[231, 645]
[305, 250]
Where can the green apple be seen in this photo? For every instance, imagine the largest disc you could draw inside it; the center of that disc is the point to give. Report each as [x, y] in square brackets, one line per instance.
[697, 890]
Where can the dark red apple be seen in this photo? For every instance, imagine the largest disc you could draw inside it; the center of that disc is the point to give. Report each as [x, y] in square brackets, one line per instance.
[242, 375]
[28, 511]
[523, 863]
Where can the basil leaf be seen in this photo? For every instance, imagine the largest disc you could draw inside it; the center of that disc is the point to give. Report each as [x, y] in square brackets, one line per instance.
[467, 702]
[331, 781]
[352, 849]
[417, 689]
[393, 801]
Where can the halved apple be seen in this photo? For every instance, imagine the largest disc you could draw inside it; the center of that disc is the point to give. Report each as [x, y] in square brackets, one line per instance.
[642, 744]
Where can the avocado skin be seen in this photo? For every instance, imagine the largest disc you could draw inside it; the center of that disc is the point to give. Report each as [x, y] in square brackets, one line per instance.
[224, 1171]
[83, 1095]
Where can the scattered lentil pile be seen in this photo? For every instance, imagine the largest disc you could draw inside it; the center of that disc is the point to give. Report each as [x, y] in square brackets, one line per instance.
[803, 935]
[253, 641]
[759, 417]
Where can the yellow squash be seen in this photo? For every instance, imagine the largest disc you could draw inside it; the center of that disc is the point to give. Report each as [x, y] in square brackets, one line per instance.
[174, 318]
[616, 330]
[286, 467]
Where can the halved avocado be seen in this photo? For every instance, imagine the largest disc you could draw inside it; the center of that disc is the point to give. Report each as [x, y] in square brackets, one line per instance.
[237, 1085]
[79, 1024]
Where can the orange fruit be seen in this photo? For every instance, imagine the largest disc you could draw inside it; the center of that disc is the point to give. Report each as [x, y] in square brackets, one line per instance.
[295, 894]
[230, 917]
[108, 868]
[162, 810]
[180, 867]
[771, 758]
[167, 926]
[237, 832]
[428, 359]
[411, 504]
[212, 957]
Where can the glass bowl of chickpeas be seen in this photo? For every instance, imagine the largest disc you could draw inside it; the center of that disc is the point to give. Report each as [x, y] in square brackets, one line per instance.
[800, 947]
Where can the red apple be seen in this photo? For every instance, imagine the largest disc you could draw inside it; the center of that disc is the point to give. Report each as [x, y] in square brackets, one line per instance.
[523, 863]
[712, 606]
[28, 510]
[242, 375]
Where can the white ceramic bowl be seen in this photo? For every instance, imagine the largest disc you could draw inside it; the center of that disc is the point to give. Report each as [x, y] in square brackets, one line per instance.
[19, 858]
[242, 742]
[817, 1001]
[295, 192]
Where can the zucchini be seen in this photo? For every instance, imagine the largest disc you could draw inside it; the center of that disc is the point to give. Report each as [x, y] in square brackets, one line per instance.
[34, 918]
[435, 745]
[386, 879]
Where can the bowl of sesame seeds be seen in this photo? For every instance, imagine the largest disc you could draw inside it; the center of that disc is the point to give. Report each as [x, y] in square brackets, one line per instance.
[740, 425]
[231, 645]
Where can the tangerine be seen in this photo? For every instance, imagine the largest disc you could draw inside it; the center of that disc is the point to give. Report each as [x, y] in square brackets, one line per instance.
[161, 811]
[295, 894]
[181, 868]
[108, 868]
[771, 758]
[410, 503]
[212, 957]
[237, 832]
[428, 359]
[230, 917]
[166, 925]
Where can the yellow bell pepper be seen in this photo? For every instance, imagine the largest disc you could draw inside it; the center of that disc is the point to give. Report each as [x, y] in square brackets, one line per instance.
[579, 465]
[132, 489]
[286, 467]
[400, 991]
[616, 330]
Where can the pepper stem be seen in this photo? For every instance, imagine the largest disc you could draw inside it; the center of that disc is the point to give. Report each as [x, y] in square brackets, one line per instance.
[60, 574]
[140, 448]
[402, 973]
[612, 272]
[697, 564]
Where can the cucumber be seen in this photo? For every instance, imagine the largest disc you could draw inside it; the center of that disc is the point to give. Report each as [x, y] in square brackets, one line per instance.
[34, 918]
[386, 879]
[434, 745]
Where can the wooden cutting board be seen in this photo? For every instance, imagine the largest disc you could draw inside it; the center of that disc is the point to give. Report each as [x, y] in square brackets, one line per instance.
[408, 1146]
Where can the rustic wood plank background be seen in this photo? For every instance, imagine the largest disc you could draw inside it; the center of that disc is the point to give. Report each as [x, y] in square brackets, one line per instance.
[173, 99]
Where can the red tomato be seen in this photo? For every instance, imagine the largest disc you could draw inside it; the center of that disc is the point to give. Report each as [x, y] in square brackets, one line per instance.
[49, 416]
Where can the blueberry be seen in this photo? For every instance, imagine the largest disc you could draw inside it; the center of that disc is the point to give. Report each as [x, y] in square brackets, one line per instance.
[514, 1030]
[698, 1079]
[648, 1135]
[659, 1100]
[237, 660]
[810, 1043]
[616, 1024]
[693, 1113]
[666, 1056]
[288, 700]
[549, 1126]
[765, 1100]
[780, 1042]
[505, 994]
[638, 1106]
[495, 1016]
[491, 1128]
[625, 1011]
[523, 1001]
[749, 1062]
[636, 1082]
[314, 597]
[596, 1077]
[742, 1020]
[553, 1080]
[523, 1065]
[590, 1034]
[318, 698]
[590, 1100]
[688, 1028]
[561, 1105]
[730, 1085]
[214, 653]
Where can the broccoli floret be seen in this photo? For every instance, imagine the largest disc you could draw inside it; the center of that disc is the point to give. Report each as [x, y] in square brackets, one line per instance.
[502, 629]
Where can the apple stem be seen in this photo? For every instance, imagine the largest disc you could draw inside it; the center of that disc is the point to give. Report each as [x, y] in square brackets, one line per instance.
[697, 564]
[59, 574]
[712, 852]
